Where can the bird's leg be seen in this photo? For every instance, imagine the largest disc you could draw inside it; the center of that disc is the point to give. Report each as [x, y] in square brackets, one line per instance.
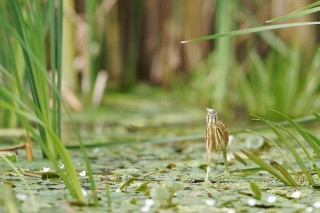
[208, 165]
[225, 162]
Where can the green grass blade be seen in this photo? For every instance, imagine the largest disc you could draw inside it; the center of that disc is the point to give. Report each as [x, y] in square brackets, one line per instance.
[285, 173]
[108, 195]
[302, 147]
[59, 63]
[286, 160]
[85, 155]
[26, 28]
[53, 59]
[21, 177]
[72, 180]
[317, 116]
[250, 30]
[256, 190]
[267, 167]
[315, 4]
[224, 49]
[314, 138]
[295, 14]
[291, 148]
[303, 133]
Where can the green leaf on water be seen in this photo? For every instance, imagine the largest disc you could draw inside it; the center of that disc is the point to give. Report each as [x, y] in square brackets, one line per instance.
[49, 175]
[127, 183]
[256, 190]
[143, 187]
[11, 156]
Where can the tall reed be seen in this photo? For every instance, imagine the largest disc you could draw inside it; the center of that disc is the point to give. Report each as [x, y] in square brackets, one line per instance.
[26, 23]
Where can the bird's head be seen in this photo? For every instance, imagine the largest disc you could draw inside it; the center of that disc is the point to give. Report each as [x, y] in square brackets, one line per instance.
[212, 116]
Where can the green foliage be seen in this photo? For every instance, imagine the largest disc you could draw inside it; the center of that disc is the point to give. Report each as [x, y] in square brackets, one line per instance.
[311, 8]
[257, 78]
[25, 26]
[108, 195]
[11, 156]
[296, 89]
[268, 168]
[309, 141]
[250, 30]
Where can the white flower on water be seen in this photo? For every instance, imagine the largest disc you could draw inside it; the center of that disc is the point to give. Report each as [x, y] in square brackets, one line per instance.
[147, 205]
[227, 210]
[309, 209]
[316, 204]
[272, 199]
[149, 202]
[145, 208]
[118, 190]
[210, 202]
[84, 192]
[45, 169]
[83, 173]
[21, 197]
[252, 201]
[61, 165]
[296, 194]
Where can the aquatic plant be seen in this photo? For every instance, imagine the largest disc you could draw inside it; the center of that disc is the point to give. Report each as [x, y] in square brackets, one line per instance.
[284, 135]
[26, 25]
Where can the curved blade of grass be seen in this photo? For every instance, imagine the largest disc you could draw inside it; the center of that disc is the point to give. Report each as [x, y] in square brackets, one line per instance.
[295, 14]
[267, 167]
[302, 147]
[314, 138]
[71, 181]
[250, 30]
[21, 177]
[42, 69]
[317, 116]
[286, 160]
[291, 148]
[303, 133]
[285, 173]
[237, 157]
[315, 4]
[269, 37]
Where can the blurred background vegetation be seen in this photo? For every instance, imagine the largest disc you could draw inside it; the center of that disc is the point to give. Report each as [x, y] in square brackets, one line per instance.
[117, 45]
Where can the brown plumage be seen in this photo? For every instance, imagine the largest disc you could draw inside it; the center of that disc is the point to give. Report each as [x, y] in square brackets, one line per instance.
[217, 138]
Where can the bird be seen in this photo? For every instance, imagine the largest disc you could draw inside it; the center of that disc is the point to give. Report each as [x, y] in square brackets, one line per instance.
[217, 138]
